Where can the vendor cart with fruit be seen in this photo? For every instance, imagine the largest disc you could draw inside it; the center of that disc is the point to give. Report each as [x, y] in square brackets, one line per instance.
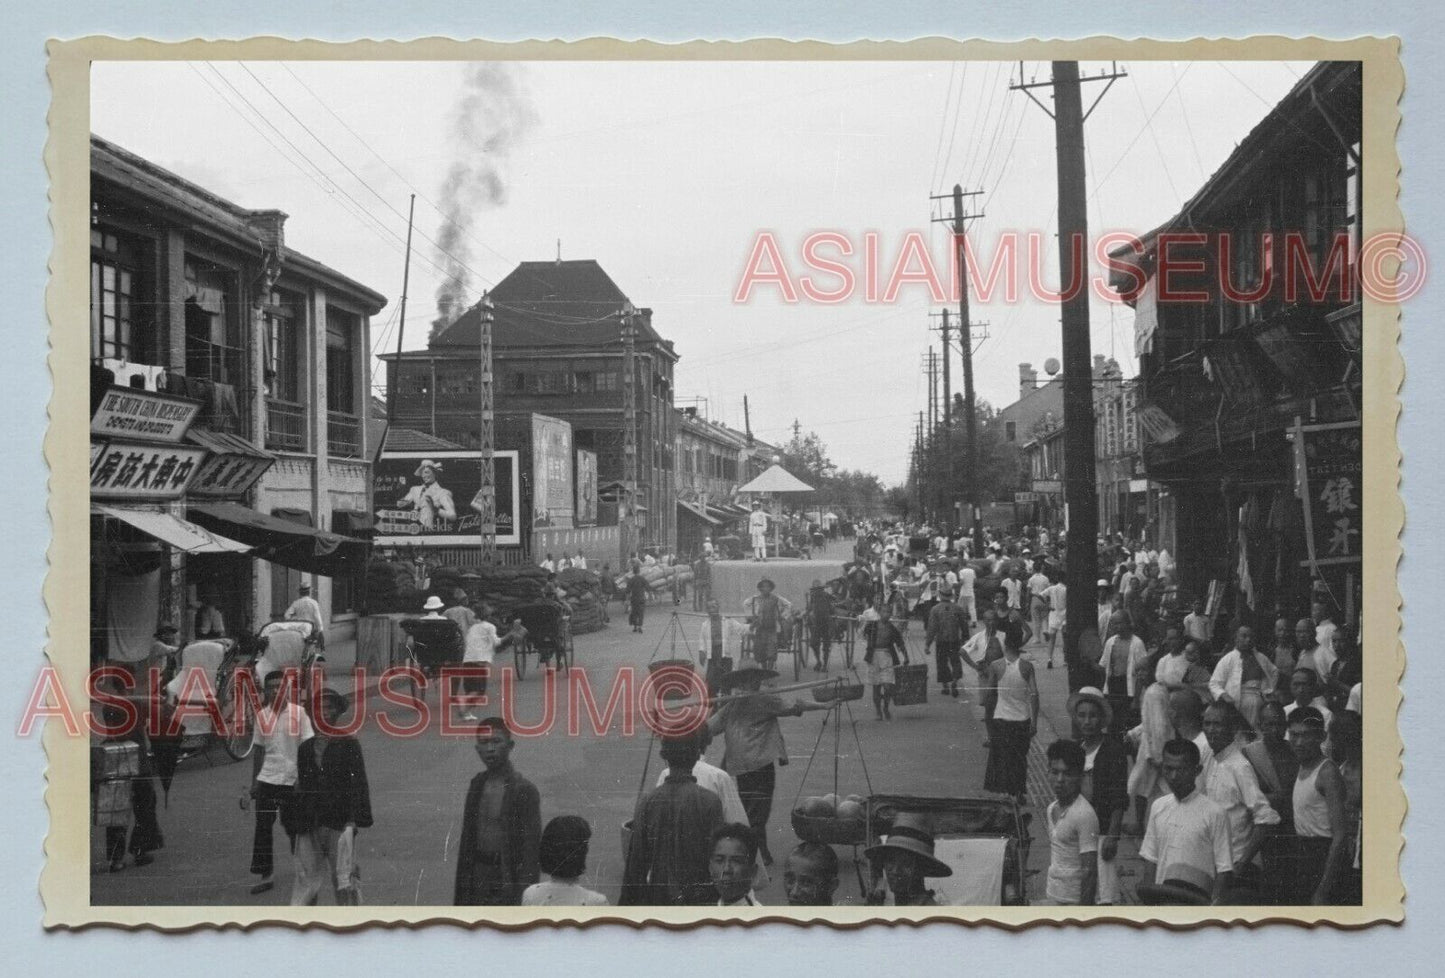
[835, 819]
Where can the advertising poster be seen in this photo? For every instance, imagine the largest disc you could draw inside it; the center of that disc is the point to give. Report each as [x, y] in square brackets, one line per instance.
[427, 498]
[552, 496]
[586, 487]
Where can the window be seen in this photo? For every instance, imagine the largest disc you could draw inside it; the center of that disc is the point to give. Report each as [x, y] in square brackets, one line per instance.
[213, 347]
[341, 329]
[283, 349]
[114, 290]
[1011, 430]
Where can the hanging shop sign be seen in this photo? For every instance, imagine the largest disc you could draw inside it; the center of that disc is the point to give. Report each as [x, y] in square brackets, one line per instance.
[1021, 498]
[1048, 486]
[1329, 463]
[1161, 428]
[128, 412]
[127, 470]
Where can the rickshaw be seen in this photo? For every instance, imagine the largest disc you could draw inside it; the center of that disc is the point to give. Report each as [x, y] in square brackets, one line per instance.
[550, 636]
[209, 665]
[432, 643]
[983, 838]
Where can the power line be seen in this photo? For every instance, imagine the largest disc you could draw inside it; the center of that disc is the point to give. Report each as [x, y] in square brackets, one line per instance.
[397, 173]
[1184, 113]
[332, 153]
[1149, 124]
[942, 127]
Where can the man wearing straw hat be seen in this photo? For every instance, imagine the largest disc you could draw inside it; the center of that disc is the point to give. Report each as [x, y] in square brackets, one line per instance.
[766, 611]
[753, 740]
[905, 858]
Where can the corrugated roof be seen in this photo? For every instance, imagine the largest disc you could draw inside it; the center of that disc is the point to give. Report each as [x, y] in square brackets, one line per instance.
[552, 303]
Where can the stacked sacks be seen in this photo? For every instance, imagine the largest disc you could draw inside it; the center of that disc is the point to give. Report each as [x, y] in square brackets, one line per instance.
[583, 596]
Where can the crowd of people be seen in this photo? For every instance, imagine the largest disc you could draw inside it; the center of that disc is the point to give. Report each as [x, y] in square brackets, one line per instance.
[1236, 768]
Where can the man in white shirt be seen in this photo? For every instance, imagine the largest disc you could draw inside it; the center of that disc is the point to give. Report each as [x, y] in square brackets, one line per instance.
[549, 565]
[1073, 826]
[1056, 595]
[281, 728]
[758, 532]
[1038, 605]
[482, 643]
[1229, 780]
[1324, 627]
[1244, 675]
[1185, 826]
[720, 636]
[305, 608]
[1304, 687]
[967, 600]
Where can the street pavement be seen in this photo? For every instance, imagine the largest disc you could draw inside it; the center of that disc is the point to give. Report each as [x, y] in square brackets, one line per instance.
[417, 784]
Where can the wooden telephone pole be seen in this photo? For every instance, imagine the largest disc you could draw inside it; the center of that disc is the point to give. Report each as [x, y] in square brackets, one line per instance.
[1081, 503]
[974, 517]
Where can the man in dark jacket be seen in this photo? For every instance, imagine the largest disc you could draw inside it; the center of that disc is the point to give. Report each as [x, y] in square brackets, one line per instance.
[667, 855]
[946, 630]
[820, 625]
[1106, 782]
[501, 826]
[637, 591]
[335, 801]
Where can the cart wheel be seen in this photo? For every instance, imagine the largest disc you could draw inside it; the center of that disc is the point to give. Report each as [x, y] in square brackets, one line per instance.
[519, 662]
[237, 741]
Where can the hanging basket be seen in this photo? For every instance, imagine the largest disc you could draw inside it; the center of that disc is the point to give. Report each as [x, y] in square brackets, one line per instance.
[838, 692]
[829, 829]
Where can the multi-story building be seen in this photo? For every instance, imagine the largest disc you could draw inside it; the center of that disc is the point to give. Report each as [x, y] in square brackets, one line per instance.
[1235, 379]
[557, 350]
[710, 467]
[198, 301]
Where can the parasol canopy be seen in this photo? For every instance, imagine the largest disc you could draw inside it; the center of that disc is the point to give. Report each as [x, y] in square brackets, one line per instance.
[776, 479]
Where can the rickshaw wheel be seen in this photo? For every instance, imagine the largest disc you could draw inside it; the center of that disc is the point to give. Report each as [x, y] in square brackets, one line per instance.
[238, 743]
[519, 662]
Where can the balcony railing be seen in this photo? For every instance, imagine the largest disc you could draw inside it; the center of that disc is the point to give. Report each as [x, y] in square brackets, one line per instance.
[285, 425]
[343, 435]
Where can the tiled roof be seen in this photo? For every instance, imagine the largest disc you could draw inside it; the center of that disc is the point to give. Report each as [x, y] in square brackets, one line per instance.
[411, 440]
[552, 303]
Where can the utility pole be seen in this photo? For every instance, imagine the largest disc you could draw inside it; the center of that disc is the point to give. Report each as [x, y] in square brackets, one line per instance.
[918, 455]
[965, 336]
[401, 321]
[486, 499]
[629, 424]
[1081, 503]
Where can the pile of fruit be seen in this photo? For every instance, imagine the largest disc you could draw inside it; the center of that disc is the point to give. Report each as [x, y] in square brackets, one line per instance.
[831, 819]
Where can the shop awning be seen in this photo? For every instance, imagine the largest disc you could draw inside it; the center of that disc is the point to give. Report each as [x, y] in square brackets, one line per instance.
[284, 542]
[696, 512]
[173, 530]
[722, 514]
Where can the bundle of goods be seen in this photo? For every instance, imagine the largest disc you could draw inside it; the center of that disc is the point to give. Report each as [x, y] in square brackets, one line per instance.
[112, 766]
[586, 614]
[831, 820]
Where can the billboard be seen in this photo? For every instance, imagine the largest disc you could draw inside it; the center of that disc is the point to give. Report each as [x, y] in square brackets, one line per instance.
[586, 487]
[426, 498]
[552, 493]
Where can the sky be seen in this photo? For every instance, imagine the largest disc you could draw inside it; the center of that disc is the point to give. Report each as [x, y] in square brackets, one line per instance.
[667, 173]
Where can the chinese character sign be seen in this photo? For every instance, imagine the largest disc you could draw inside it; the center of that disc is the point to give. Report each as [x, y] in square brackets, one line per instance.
[586, 488]
[1329, 470]
[552, 491]
[125, 470]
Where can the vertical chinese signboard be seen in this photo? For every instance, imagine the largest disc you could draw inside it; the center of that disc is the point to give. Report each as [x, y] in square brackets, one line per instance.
[1328, 464]
[552, 490]
[586, 488]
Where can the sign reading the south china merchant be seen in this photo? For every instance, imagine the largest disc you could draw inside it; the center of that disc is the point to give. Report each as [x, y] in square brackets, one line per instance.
[135, 471]
[128, 412]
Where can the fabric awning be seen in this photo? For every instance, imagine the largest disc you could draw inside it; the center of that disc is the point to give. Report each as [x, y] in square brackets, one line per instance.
[696, 512]
[721, 514]
[225, 443]
[174, 531]
[283, 541]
